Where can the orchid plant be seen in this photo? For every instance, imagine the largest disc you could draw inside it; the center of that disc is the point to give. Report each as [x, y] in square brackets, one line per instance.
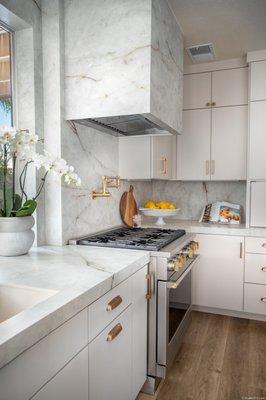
[20, 145]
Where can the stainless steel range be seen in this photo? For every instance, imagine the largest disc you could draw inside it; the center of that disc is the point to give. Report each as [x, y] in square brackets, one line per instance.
[173, 254]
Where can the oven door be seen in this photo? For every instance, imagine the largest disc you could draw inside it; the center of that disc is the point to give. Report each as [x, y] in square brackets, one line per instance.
[173, 312]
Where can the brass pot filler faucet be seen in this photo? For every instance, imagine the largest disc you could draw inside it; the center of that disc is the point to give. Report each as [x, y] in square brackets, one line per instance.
[107, 182]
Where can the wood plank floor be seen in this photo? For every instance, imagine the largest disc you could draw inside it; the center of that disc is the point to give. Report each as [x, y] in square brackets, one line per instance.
[221, 358]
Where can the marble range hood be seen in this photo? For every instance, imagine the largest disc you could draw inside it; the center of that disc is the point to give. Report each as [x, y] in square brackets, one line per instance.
[123, 66]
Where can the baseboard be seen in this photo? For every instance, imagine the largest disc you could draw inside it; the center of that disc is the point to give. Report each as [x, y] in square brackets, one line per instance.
[229, 313]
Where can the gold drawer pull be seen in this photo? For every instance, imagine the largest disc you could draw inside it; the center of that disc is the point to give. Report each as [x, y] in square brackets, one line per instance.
[114, 303]
[263, 269]
[263, 245]
[263, 299]
[114, 332]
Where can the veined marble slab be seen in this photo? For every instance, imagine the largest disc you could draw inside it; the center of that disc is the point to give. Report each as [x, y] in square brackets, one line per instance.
[206, 228]
[79, 274]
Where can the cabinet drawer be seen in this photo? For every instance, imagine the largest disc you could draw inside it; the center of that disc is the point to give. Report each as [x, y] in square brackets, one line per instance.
[255, 268]
[108, 307]
[255, 298]
[256, 245]
[110, 360]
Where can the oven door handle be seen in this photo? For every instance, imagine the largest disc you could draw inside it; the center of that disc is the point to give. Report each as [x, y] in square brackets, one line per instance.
[174, 284]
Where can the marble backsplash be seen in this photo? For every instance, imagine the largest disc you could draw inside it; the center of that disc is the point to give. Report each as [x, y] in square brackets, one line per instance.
[192, 196]
[93, 154]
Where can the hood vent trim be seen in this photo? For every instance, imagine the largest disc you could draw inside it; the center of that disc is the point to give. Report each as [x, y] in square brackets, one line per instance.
[126, 125]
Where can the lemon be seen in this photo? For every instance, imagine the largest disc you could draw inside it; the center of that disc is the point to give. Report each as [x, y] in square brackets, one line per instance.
[150, 204]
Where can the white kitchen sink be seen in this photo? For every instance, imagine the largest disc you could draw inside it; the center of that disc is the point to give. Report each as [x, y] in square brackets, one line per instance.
[15, 298]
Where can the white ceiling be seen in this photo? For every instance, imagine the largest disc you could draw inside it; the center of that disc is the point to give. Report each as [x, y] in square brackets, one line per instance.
[233, 26]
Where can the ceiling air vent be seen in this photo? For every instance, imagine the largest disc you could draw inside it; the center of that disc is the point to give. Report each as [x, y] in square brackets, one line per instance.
[201, 53]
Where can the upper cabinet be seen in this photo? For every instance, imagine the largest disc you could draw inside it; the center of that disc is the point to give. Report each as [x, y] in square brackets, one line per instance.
[197, 91]
[257, 120]
[257, 80]
[193, 150]
[213, 144]
[124, 63]
[228, 143]
[216, 89]
[257, 140]
[230, 87]
[146, 157]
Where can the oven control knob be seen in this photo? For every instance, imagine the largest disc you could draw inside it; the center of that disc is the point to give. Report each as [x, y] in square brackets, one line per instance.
[179, 263]
[194, 245]
[189, 252]
[171, 265]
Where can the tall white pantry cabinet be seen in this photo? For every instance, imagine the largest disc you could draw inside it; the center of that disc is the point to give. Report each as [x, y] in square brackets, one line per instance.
[215, 120]
[256, 188]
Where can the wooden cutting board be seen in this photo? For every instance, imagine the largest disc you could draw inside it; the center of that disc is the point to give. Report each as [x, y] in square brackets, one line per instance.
[128, 207]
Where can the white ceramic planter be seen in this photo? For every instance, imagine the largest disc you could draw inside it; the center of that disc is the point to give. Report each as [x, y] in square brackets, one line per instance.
[16, 235]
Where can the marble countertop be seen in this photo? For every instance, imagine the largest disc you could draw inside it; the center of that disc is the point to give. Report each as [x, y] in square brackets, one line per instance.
[207, 228]
[79, 275]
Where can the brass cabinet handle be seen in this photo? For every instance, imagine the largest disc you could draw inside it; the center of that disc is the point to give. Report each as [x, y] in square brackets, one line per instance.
[213, 104]
[208, 104]
[212, 167]
[164, 161]
[114, 303]
[149, 286]
[263, 269]
[263, 245]
[114, 332]
[241, 250]
[207, 167]
[263, 299]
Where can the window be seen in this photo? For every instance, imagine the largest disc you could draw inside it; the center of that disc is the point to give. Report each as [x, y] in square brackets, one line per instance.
[5, 77]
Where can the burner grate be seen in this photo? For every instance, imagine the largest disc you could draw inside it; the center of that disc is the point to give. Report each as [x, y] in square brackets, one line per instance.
[134, 238]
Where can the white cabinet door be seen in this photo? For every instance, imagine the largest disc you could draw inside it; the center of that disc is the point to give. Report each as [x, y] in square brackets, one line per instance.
[229, 137]
[193, 154]
[230, 87]
[197, 91]
[135, 157]
[257, 140]
[70, 383]
[139, 331]
[110, 360]
[218, 276]
[162, 147]
[258, 204]
[258, 80]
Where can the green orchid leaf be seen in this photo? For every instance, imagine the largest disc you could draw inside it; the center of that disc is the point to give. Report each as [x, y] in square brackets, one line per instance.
[27, 209]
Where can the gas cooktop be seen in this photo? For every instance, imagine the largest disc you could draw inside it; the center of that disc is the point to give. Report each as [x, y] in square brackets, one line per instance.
[133, 238]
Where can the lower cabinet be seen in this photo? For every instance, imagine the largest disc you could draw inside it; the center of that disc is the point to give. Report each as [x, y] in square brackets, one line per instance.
[139, 331]
[118, 355]
[70, 383]
[218, 276]
[99, 354]
[110, 360]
